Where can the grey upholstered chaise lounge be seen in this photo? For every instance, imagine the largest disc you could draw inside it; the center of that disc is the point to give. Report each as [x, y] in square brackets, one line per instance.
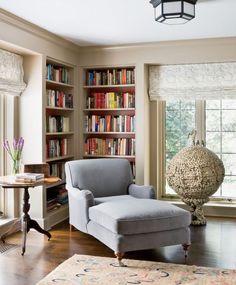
[104, 202]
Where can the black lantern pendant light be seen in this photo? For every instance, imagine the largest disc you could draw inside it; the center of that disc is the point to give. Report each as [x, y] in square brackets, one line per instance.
[174, 12]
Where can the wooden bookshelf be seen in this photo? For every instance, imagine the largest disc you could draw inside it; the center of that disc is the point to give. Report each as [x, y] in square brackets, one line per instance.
[109, 113]
[59, 133]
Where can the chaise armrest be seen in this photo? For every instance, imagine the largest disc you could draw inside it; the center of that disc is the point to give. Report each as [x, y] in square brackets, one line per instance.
[144, 192]
[80, 201]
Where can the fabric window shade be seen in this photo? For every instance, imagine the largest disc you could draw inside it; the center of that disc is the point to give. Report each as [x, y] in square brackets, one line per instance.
[193, 81]
[11, 73]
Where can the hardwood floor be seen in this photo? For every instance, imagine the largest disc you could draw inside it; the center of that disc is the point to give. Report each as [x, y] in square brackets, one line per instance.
[213, 245]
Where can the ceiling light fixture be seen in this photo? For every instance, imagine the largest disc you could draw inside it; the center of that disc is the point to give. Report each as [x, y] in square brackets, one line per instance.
[174, 12]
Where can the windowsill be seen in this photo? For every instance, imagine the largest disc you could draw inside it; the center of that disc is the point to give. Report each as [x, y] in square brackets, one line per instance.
[6, 221]
[212, 208]
[222, 204]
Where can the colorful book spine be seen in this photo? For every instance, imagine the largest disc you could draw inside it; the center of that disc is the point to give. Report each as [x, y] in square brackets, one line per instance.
[56, 148]
[57, 73]
[109, 123]
[58, 124]
[120, 146]
[110, 77]
[110, 100]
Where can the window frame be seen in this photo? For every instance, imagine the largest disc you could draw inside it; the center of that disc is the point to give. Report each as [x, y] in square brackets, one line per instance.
[200, 122]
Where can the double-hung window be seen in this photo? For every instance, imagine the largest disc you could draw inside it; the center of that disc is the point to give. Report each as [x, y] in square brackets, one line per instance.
[11, 86]
[200, 97]
[215, 122]
[2, 160]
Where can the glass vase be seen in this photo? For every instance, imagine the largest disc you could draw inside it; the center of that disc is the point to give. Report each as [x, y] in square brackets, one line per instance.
[15, 166]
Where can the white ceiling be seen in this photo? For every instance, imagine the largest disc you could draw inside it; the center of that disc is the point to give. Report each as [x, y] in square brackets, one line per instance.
[115, 22]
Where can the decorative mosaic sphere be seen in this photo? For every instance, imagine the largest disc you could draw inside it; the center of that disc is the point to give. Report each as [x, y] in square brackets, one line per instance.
[195, 173]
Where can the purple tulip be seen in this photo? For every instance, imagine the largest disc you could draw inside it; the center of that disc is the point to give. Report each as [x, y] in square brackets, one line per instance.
[15, 144]
[16, 152]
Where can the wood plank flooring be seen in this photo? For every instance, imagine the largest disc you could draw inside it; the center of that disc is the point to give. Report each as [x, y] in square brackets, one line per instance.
[213, 245]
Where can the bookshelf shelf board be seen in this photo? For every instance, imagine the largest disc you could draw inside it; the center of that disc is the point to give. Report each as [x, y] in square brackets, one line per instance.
[60, 134]
[60, 109]
[58, 183]
[108, 86]
[109, 110]
[129, 157]
[59, 158]
[109, 134]
[57, 83]
[58, 210]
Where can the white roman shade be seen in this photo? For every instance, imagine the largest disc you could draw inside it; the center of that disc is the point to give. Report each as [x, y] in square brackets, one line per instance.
[193, 81]
[11, 73]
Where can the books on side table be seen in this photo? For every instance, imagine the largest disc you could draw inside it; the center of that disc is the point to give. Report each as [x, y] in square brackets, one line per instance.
[28, 177]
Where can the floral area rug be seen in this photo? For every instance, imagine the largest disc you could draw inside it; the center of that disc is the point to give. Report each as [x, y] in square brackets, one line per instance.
[94, 270]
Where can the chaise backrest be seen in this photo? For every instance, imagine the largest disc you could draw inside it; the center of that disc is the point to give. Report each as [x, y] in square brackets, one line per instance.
[104, 177]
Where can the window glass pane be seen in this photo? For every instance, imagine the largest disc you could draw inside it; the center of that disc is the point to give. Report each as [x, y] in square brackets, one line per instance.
[213, 141]
[229, 161]
[187, 105]
[212, 104]
[170, 190]
[180, 121]
[213, 120]
[229, 104]
[187, 121]
[172, 105]
[172, 120]
[172, 142]
[228, 187]
[229, 120]
[228, 142]
[223, 141]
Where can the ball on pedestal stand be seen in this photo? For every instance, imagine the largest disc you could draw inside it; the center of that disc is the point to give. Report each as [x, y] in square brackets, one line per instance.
[195, 173]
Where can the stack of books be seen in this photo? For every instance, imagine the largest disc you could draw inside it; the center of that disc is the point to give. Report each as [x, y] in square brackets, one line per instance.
[29, 177]
[52, 204]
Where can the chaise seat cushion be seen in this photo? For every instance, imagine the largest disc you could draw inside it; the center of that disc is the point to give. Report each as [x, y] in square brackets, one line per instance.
[136, 216]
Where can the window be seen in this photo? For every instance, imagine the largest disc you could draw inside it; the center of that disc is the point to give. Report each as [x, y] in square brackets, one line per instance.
[215, 122]
[2, 114]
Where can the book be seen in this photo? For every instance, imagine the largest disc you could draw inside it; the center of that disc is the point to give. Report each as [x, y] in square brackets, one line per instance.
[28, 177]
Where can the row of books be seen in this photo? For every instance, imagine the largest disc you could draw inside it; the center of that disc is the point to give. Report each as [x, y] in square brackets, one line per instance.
[120, 146]
[108, 123]
[58, 170]
[110, 77]
[57, 73]
[56, 147]
[58, 124]
[110, 100]
[56, 98]
[56, 197]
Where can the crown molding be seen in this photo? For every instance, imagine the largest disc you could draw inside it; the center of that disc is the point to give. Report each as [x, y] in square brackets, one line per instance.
[24, 25]
[163, 44]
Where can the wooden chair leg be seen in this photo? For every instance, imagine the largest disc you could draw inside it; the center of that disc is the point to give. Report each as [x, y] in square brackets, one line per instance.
[71, 228]
[119, 256]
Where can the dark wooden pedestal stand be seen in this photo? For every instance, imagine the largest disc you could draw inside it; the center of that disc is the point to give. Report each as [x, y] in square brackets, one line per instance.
[27, 223]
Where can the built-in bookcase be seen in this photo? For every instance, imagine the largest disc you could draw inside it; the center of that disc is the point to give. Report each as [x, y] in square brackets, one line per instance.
[109, 113]
[59, 134]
